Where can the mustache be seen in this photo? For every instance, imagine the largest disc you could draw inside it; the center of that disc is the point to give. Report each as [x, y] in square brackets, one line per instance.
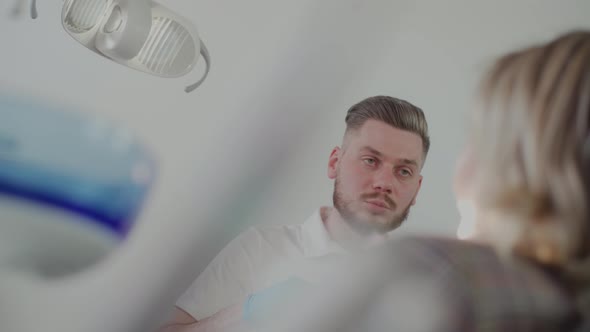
[388, 201]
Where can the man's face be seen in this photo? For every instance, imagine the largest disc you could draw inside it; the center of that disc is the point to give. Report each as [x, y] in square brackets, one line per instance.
[377, 176]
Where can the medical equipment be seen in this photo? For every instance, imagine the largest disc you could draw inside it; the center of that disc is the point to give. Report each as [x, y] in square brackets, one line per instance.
[61, 269]
[138, 34]
[71, 186]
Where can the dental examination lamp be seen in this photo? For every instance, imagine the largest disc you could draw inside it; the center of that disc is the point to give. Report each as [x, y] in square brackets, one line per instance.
[139, 34]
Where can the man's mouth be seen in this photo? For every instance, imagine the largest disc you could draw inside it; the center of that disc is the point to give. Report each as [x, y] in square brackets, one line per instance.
[378, 203]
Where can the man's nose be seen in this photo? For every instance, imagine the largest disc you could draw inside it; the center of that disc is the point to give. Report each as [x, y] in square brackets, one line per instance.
[383, 181]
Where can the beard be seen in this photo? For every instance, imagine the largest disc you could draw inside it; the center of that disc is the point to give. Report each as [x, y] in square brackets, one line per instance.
[364, 222]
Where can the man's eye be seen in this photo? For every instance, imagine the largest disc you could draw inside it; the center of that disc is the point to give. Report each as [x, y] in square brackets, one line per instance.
[370, 161]
[405, 173]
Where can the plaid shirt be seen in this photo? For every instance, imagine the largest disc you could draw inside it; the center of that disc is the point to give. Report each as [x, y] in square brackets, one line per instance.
[481, 291]
[436, 285]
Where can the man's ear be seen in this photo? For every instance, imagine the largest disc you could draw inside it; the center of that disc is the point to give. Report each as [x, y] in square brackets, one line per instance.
[333, 162]
[417, 190]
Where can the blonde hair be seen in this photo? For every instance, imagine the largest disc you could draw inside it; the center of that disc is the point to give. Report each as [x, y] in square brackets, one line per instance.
[531, 144]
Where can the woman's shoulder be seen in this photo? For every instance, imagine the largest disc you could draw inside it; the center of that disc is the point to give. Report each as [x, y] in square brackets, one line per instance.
[444, 250]
[493, 287]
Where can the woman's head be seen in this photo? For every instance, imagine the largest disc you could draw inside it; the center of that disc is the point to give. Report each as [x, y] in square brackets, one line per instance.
[530, 151]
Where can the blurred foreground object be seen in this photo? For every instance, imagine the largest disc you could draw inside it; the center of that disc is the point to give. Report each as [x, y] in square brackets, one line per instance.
[71, 186]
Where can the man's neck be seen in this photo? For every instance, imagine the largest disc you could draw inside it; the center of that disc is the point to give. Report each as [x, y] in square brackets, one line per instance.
[343, 234]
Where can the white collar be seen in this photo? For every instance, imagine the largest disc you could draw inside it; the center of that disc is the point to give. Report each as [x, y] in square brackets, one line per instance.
[316, 239]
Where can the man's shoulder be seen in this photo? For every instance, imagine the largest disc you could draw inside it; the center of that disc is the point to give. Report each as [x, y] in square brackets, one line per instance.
[278, 230]
[276, 236]
[280, 241]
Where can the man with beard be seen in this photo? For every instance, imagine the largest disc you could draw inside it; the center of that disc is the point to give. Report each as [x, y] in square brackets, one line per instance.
[376, 173]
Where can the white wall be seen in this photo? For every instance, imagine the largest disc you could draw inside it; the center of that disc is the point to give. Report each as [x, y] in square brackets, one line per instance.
[288, 56]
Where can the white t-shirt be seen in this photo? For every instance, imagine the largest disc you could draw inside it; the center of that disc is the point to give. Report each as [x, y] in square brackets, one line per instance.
[257, 259]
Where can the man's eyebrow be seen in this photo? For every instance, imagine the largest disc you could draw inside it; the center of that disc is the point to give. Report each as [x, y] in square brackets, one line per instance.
[373, 151]
[409, 162]
[377, 153]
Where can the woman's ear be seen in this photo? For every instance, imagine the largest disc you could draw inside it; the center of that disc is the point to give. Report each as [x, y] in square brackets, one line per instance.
[464, 175]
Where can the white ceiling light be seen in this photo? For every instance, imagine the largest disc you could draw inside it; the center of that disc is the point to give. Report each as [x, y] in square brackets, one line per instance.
[140, 34]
